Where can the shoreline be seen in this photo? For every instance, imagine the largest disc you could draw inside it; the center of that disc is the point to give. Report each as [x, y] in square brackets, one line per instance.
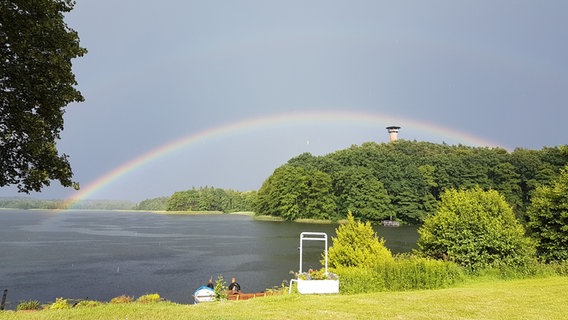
[165, 212]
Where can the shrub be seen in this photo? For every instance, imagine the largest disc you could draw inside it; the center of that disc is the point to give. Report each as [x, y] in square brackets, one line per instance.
[357, 245]
[149, 298]
[359, 280]
[121, 299]
[404, 273]
[28, 305]
[476, 229]
[221, 289]
[554, 268]
[87, 304]
[60, 303]
[421, 273]
[560, 267]
[283, 288]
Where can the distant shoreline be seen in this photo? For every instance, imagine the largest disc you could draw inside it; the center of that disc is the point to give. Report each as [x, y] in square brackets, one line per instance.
[164, 212]
[248, 213]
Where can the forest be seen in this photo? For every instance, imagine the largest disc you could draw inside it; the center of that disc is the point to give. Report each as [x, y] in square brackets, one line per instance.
[400, 180]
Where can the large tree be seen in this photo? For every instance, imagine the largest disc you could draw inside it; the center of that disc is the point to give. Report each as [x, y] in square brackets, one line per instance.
[359, 192]
[36, 84]
[294, 193]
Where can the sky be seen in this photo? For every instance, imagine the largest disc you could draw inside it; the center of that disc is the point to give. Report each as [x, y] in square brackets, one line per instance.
[182, 94]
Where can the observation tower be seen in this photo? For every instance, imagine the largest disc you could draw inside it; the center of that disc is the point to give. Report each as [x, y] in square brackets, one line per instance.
[393, 132]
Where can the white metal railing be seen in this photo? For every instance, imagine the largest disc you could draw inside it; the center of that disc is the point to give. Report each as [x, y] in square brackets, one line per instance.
[313, 236]
[310, 236]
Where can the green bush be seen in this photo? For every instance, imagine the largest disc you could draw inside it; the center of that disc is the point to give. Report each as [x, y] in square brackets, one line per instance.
[404, 273]
[421, 273]
[537, 269]
[121, 299]
[359, 280]
[560, 267]
[221, 289]
[476, 229]
[28, 305]
[60, 303]
[149, 298]
[87, 304]
[356, 245]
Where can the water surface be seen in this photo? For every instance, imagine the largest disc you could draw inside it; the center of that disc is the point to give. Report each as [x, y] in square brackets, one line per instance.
[103, 254]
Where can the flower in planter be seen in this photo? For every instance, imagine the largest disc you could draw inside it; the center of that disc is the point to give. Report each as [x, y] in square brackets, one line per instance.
[316, 275]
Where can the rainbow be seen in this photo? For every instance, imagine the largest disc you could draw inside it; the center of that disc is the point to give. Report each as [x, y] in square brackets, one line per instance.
[263, 122]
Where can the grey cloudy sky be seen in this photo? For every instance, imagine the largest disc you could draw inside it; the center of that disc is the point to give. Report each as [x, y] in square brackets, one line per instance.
[158, 71]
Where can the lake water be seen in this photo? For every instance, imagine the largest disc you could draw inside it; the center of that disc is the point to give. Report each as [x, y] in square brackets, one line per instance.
[101, 255]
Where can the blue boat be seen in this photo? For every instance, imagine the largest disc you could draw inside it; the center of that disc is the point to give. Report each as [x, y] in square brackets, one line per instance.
[203, 294]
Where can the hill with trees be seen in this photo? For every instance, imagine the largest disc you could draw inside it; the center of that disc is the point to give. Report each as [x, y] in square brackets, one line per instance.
[402, 180]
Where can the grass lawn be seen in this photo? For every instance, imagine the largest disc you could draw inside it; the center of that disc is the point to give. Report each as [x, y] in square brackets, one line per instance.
[541, 298]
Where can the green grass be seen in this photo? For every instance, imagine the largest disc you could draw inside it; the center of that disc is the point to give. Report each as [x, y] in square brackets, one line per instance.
[537, 298]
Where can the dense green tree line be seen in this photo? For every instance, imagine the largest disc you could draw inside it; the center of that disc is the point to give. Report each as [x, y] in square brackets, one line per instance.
[211, 199]
[31, 203]
[402, 180]
[154, 204]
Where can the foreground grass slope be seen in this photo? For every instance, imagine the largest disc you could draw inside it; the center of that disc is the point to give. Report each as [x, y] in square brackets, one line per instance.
[540, 298]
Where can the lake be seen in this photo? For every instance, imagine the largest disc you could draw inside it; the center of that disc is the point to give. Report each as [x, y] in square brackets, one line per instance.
[103, 254]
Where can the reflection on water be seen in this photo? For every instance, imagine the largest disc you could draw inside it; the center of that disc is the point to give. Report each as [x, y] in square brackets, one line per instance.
[101, 255]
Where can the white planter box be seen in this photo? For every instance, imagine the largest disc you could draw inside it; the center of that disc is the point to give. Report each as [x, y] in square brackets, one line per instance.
[318, 286]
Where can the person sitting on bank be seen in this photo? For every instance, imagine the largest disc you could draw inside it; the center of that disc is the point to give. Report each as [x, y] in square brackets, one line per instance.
[234, 287]
[210, 283]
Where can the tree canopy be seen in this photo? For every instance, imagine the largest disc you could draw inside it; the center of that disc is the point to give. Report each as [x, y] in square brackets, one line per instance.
[211, 199]
[403, 180]
[548, 219]
[294, 193]
[36, 84]
[362, 194]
